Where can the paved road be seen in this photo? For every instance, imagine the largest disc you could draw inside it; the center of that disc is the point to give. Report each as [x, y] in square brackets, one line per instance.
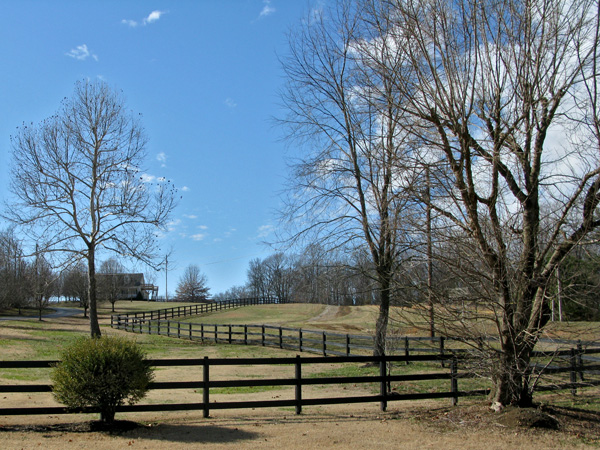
[57, 313]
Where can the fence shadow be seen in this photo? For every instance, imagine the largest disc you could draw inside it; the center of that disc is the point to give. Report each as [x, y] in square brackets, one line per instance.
[207, 434]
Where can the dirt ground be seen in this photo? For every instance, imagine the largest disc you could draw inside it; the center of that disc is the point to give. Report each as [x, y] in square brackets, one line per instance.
[414, 426]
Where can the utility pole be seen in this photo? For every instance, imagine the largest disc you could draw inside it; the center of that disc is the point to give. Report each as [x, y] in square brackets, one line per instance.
[167, 277]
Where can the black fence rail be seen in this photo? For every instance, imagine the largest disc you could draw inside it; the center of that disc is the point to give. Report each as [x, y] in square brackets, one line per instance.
[192, 310]
[296, 381]
[320, 342]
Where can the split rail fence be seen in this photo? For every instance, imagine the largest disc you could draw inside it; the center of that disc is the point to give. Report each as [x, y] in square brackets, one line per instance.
[298, 377]
[296, 381]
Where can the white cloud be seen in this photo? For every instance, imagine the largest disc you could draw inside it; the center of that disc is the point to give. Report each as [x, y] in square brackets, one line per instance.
[152, 17]
[185, 188]
[81, 53]
[129, 23]
[267, 9]
[198, 237]
[264, 231]
[190, 216]
[202, 227]
[230, 103]
[162, 159]
[147, 178]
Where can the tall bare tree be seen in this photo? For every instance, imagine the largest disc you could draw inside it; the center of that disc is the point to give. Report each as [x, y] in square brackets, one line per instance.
[495, 90]
[192, 285]
[347, 188]
[78, 184]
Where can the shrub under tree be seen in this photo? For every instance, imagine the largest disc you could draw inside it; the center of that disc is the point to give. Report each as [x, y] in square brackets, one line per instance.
[102, 373]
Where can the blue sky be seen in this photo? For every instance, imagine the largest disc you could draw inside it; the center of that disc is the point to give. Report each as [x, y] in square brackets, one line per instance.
[205, 76]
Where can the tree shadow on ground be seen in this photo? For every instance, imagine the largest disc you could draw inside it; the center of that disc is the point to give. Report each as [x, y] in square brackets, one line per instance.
[158, 432]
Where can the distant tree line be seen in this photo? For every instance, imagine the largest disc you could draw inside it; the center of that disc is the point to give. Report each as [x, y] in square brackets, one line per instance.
[318, 276]
[30, 281]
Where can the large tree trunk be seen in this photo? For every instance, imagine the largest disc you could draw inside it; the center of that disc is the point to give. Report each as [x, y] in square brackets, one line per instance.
[510, 376]
[94, 326]
[384, 314]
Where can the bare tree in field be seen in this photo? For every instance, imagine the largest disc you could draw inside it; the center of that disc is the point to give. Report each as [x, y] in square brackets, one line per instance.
[78, 184]
[348, 190]
[505, 95]
[75, 285]
[192, 285]
[14, 272]
[110, 285]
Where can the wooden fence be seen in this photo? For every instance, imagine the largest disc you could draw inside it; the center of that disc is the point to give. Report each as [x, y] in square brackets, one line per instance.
[193, 310]
[297, 379]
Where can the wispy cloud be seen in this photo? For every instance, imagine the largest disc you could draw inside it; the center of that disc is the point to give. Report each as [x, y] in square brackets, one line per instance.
[162, 159]
[81, 53]
[185, 189]
[190, 216]
[230, 103]
[198, 237]
[264, 231]
[151, 18]
[267, 9]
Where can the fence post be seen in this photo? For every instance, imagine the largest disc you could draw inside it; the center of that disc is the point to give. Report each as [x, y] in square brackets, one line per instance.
[202, 333]
[454, 381]
[229, 337]
[216, 334]
[324, 344]
[245, 334]
[178, 330]
[442, 339]
[573, 372]
[158, 325]
[383, 382]
[406, 349]
[580, 359]
[205, 392]
[298, 387]
[280, 338]
[300, 339]
[347, 345]
[262, 339]
[190, 331]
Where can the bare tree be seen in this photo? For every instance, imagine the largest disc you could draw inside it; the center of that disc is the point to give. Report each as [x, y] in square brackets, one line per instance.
[494, 90]
[13, 272]
[42, 283]
[192, 285]
[348, 190]
[75, 285]
[78, 184]
[110, 285]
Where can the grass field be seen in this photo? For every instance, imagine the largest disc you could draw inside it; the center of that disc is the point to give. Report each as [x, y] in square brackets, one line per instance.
[31, 339]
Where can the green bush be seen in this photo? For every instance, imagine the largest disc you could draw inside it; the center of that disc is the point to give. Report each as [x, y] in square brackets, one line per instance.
[103, 373]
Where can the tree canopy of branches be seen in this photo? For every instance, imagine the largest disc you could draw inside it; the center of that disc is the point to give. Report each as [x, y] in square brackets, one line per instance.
[192, 285]
[497, 102]
[14, 272]
[109, 285]
[78, 184]
[347, 189]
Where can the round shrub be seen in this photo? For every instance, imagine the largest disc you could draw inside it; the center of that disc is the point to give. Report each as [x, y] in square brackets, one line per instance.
[102, 372]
